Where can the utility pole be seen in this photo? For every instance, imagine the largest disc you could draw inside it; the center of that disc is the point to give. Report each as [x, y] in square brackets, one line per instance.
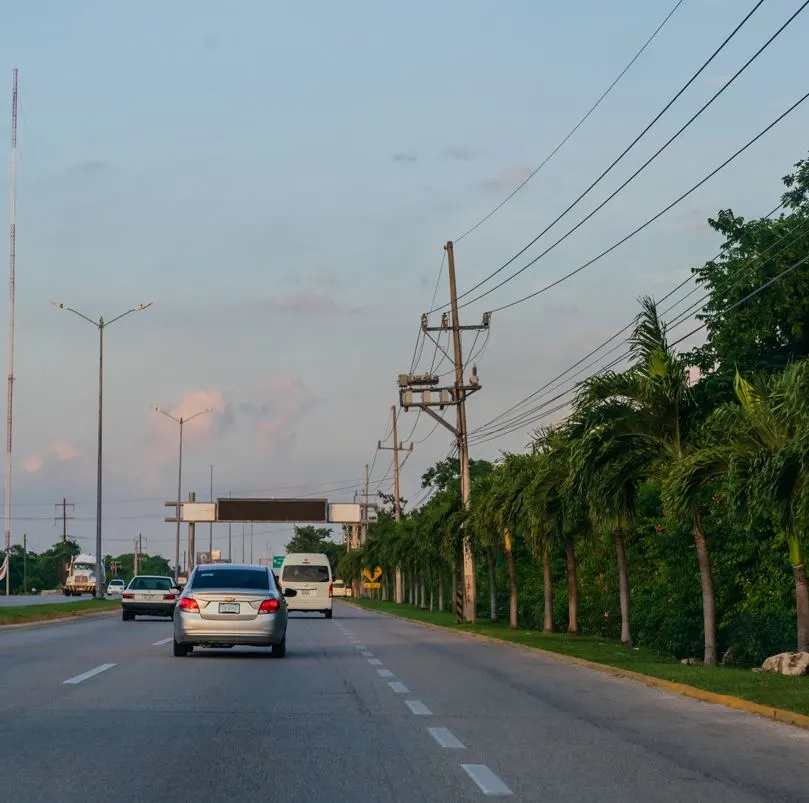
[24, 563]
[251, 543]
[210, 526]
[138, 546]
[425, 386]
[397, 505]
[243, 537]
[230, 535]
[192, 535]
[64, 504]
[365, 508]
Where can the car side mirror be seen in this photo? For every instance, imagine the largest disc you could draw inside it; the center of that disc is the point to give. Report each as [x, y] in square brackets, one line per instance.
[290, 592]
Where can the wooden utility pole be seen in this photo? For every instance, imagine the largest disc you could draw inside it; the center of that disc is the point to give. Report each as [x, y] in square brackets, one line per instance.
[138, 553]
[425, 386]
[397, 504]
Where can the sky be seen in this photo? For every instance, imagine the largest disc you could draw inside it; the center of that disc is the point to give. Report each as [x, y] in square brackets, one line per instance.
[279, 180]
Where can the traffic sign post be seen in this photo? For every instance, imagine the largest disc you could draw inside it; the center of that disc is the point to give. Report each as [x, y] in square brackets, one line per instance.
[278, 561]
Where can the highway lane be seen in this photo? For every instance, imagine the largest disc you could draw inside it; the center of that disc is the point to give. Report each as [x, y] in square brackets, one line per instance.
[367, 706]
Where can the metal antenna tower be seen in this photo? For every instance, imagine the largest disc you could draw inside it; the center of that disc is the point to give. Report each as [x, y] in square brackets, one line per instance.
[12, 260]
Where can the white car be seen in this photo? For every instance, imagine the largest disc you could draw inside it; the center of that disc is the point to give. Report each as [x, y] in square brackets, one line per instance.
[116, 586]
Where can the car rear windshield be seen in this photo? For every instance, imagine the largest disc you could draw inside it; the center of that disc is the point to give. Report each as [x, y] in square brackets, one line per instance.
[255, 579]
[151, 584]
[305, 574]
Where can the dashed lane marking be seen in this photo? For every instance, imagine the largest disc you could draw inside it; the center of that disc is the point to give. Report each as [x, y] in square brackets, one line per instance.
[87, 675]
[398, 687]
[385, 673]
[446, 738]
[418, 708]
[374, 662]
[162, 641]
[486, 780]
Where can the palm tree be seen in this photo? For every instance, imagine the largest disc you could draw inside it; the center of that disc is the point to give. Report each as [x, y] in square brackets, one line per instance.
[649, 408]
[760, 443]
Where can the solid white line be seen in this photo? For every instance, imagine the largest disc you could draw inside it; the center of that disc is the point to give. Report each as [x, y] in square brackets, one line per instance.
[374, 662]
[487, 781]
[162, 641]
[399, 688]
[385, 673]
[98, 670]
[418, 708]
[446, 738]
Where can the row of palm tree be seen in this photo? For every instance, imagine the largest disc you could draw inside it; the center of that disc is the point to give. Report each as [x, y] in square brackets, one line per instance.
[644, 424]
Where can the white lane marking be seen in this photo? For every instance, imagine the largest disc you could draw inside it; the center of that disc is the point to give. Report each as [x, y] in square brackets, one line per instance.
[367, 654]
[418, 708]
[86, 675]
[487, 781]
[399, 688]
[385, 673]
[374, 662]
[360, 646]
[162, 641]
[446, 738]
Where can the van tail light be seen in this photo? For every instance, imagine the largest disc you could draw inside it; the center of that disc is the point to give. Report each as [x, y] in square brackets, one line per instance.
[168, 596]
[269, 606]
[189, 605]
[331, 590]
[127, 596]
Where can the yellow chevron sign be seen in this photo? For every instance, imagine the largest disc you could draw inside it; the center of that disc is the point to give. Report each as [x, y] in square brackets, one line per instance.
[372, 576]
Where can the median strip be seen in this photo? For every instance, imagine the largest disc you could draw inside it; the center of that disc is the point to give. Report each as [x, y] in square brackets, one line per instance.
[28, 614]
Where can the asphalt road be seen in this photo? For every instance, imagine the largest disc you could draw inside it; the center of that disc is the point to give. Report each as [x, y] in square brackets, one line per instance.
[363, 707]
[48, 599]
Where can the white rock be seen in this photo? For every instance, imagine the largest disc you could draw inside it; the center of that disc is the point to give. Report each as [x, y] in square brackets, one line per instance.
[791, 664]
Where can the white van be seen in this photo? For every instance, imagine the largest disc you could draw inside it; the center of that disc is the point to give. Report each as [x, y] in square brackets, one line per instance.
[309, 573]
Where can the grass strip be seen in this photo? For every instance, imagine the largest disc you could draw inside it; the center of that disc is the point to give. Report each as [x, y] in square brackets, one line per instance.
[23, 614]
[763, 688]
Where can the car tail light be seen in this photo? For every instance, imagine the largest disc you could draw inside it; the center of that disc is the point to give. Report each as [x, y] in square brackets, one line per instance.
[168, 596]
[269, 606]
[331, 590]
[127, 596]
[188, 604]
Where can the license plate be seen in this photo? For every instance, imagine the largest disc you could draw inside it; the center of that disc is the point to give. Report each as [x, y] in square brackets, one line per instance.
[228, 607]
[308, 592]
[150, 596]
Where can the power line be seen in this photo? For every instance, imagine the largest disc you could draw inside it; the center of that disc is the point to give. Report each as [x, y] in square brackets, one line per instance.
[575, 128]
[634, 175]
[690, 81]
[660, 214]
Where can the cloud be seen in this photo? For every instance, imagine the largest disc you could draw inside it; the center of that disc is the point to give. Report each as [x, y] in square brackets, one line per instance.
[306, 303]
[409, 156]
[460, 153]
[64, 450]
[91, 167]
[692, 220]
[33, 463]
[192, 402]
[283, 400]
[508, 179]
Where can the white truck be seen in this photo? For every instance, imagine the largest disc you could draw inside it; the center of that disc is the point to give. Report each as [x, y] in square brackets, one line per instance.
[81, 576]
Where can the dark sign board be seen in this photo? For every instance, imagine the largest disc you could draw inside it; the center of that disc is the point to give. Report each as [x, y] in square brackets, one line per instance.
[280, 510]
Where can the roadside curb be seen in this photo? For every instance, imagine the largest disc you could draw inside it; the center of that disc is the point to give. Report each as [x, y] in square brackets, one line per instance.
[684, 690]
[68, 617]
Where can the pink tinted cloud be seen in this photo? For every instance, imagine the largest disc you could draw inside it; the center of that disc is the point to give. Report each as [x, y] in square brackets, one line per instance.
[32, 464]
[193, 402]
[508, 179]
[64, 450]
[283, 397]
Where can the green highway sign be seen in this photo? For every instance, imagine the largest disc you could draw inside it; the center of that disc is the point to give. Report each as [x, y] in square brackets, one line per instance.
[278, 561]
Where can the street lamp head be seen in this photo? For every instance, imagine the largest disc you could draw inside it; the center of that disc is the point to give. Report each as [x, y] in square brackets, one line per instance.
[142, 307]
[58, 304]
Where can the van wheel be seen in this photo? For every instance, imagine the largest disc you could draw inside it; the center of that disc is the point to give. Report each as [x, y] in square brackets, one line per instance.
[328, 614]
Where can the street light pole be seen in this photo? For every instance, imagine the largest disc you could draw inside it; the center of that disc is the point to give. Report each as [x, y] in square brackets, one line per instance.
[101, 324]
[182, 422]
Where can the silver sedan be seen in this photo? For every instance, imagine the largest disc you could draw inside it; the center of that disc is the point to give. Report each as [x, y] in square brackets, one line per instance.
[227, 605]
